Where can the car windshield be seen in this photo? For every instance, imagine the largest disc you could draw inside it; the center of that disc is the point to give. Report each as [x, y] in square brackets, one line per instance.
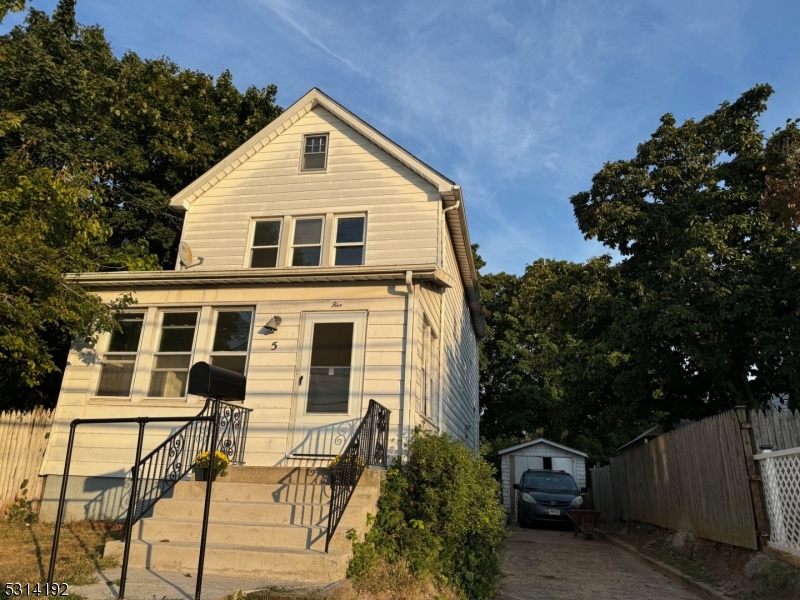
[549, 482]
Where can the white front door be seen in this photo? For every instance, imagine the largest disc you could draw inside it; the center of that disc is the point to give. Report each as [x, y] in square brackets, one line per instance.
[330, 380]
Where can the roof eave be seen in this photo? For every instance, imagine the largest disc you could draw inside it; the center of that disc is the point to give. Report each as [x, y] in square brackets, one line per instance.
[459, 233]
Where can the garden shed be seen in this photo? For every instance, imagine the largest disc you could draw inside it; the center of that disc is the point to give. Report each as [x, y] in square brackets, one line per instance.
[538, 454]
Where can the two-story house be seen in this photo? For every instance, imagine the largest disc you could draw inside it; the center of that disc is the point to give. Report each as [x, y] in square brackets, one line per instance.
[359, 255]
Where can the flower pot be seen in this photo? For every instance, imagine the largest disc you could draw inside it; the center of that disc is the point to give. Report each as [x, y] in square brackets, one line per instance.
[203, 473]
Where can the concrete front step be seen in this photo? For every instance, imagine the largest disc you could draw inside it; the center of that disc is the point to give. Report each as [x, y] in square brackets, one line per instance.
[235, 559]
[299, 537]
[253, 512]
[225, 491]
[284, 475]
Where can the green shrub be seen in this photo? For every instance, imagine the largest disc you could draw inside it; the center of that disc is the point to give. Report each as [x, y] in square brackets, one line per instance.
[439, 513]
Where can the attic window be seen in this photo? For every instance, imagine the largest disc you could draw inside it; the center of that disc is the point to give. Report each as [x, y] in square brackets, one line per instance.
[315, 152]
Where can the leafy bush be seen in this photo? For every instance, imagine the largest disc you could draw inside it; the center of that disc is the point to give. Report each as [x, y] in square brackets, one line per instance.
[22, 509]
[439, 513]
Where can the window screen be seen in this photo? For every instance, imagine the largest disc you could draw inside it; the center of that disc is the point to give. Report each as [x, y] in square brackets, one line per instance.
[266, 241]
[307, 243]
[315, 150]
[329, 378]
[349, 244]
[232, 340]
[119, 361]
[174, 355]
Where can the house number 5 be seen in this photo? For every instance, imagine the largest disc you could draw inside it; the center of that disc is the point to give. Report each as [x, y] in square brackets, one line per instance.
[274, 345]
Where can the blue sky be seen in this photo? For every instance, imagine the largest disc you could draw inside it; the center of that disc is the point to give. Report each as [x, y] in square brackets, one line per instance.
[520, 102]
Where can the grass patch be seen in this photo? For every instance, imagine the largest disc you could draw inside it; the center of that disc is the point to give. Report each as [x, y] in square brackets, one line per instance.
[395, 581]
[25, 551]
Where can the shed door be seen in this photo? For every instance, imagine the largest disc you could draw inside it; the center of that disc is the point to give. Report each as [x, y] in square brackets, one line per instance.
[523, 463]
[563, 464]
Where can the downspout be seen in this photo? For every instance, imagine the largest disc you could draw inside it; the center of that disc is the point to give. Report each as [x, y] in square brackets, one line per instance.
[443, 237]
[410, 324]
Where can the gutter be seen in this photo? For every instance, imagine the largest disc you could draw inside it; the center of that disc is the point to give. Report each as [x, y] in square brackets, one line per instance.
[396, 273]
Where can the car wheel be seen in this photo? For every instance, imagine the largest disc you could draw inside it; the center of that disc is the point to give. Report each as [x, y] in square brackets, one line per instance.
[522, 523]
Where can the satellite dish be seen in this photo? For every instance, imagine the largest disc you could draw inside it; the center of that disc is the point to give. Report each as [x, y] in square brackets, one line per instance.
[186, 256]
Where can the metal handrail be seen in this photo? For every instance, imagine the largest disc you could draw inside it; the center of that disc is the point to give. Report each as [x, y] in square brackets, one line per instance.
[170, 462]
[367, 448]
[219, 423]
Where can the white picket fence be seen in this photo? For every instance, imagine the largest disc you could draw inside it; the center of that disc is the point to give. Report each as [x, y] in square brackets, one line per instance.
[23, 441]
[780, 473]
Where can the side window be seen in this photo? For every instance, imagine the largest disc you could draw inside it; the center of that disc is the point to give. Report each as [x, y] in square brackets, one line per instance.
[232, 339]
[349, 241]
[307, 242]
[174, 355]
[315, 152]
[266, 242]
[119, 360]
[427, 371]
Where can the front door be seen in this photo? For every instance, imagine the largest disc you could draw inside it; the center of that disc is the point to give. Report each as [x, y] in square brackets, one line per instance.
[329, 384]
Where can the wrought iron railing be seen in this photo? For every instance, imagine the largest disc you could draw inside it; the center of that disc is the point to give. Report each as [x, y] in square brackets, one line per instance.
[219, 426]
[367, 448]
[170, 462]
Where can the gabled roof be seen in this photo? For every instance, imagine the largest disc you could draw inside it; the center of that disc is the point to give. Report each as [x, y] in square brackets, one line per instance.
[450, 192]
[542, 441]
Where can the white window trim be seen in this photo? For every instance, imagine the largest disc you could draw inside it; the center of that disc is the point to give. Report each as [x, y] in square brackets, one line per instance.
[427, 370]
[335, 246]
[212, 353]
[291, 245]
[327, 136]
[155, 354]
[106, 343]
[251, 235]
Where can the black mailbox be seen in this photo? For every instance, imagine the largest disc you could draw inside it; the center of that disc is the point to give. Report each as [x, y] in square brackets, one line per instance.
[214, 382]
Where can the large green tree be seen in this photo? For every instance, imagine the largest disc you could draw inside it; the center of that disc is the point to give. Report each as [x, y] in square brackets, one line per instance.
[703, 217]
[698, 314]
[153, 126]
[92, 147]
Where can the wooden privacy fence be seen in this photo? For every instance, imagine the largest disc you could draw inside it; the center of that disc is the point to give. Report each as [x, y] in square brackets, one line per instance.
[780, 430]
[692, 478]
[23, 440]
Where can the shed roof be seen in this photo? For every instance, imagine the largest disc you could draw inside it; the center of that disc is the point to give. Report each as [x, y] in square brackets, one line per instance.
[543, 441]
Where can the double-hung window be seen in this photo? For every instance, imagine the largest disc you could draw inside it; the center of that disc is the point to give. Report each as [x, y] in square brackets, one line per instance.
[232, 339]
[174, 355]
[307, 242]
[119, 360]
[349, 242]
[315, 152]
[427, 371]
[266, 243]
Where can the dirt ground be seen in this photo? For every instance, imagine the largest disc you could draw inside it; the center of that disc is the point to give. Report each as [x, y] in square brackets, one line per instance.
[551, 564]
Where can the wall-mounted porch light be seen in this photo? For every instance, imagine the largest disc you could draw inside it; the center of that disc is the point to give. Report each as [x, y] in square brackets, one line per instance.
[741, 413]
[272, 324]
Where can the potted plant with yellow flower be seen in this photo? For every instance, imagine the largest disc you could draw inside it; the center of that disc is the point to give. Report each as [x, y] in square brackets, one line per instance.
[345, 469]
[202, 465]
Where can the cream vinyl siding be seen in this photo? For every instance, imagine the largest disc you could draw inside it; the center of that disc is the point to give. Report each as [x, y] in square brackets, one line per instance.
[402, 208]
[459, 361]
[272, 374]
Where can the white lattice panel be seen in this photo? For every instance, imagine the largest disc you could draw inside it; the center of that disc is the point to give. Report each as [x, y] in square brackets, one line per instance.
[780, 472]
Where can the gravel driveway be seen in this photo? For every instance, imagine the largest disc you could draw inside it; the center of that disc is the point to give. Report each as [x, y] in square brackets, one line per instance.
[551, 564]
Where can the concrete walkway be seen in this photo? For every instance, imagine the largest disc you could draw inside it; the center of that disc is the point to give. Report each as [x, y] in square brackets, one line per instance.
[551, 564]
[143, 584]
